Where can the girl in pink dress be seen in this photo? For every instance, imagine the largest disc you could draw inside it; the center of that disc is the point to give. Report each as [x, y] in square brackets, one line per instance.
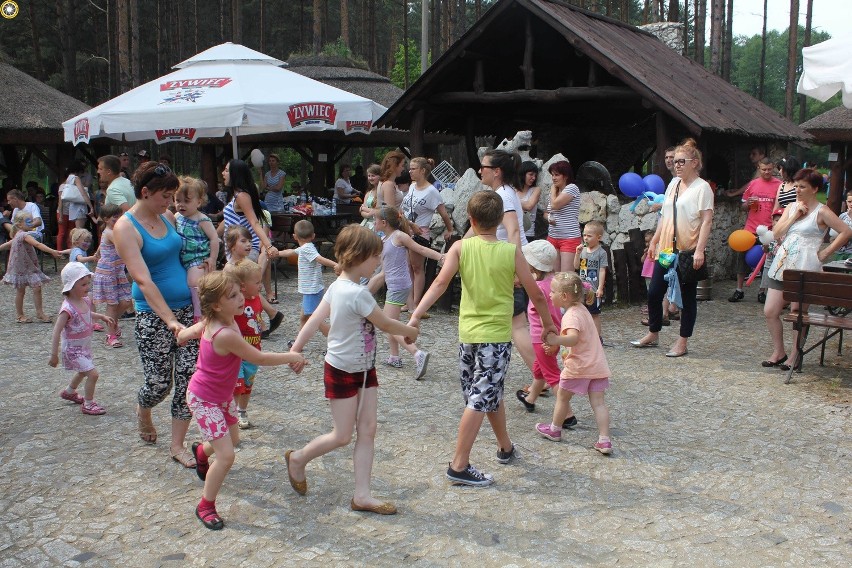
[210, 395]
[74, 328]
[22, 268]
[110, 285]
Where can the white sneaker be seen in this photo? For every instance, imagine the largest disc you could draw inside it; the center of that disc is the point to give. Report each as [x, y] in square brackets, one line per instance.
[421, 359]
[243, 421]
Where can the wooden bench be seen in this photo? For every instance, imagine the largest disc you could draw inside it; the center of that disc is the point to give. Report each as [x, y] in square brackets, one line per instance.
[829, 289]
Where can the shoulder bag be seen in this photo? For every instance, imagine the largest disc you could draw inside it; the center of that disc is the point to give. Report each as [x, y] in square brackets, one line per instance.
[685, 258]
[69, 192]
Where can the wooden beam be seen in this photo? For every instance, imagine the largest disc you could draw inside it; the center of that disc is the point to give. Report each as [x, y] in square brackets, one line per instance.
[470, 144]
[43, 158]
[478, 77]
[592, 79]
[835, 196]
[527, 67]
[560, 95]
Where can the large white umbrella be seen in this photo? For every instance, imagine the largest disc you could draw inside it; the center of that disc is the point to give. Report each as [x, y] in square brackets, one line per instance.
[826, 69]
[228, 88]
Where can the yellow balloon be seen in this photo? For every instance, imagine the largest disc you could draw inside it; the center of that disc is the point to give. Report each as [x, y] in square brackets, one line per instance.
[741, 240]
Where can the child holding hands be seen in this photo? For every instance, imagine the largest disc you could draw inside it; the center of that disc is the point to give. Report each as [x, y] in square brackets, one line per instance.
[350, 373]
[585, 369]
[74, 329]
[488, 268]
[110, 285]
[541, 256]
[200, 243]
[250, 323]
[210, 394]
[22, 267]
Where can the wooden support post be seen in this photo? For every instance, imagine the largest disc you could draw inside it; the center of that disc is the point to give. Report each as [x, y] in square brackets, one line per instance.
[638, 291]
[527, 67]
[621, 274]
[479, 77]
[208, 166]
[835, 196]
[418, 124]
[470, 144]
[662, 143]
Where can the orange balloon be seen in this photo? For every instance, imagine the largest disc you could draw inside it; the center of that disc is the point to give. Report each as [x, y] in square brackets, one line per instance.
[741, 240]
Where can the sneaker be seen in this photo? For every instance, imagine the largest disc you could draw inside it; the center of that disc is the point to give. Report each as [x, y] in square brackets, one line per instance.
[570, 422]
[506, 457]
[93, 408]
[736, 296]
[761, 297]
[274, 323]
[290, 343]
[549, 433]
[72, 396]
[243, 421]
[469, 476]
[128, 316]
[395, 362]
[421, 359]
[604, 447]
[97, 327]
[522, 396]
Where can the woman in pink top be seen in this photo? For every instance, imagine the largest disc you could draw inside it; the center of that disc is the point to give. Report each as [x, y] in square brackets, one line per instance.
[585, 369]
[210, 395]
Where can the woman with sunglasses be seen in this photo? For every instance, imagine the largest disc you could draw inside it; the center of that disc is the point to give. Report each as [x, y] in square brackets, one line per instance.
[149, 245]
[694, 221]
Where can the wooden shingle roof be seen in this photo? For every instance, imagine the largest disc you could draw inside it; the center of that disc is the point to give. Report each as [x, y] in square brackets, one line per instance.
[637, 74]
[834, 125]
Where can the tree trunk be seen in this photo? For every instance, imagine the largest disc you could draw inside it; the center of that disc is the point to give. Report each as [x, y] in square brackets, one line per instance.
[39, 68]
[124, 79]
[236, 21]
[803, 105]
[344, 22]
[700, 26]
[317, 45]
[262, 46]
[135, 47]
[685, 18]
[729, 39]
[791, 58]
[673, 13]
[646, 10]
[406, 73]
[762, 71]
[716, 17]
[195, 16]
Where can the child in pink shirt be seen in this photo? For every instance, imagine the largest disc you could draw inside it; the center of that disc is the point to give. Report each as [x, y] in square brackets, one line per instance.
[585, 369]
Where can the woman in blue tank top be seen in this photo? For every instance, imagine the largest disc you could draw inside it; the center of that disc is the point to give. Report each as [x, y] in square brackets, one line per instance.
[146, 240]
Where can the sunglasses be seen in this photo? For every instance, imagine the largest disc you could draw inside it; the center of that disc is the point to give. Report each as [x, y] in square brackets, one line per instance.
[160, 171]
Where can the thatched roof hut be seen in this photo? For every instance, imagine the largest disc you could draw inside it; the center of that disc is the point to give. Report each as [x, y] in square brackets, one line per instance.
[344, 75]
[31, 112]
[834, 125]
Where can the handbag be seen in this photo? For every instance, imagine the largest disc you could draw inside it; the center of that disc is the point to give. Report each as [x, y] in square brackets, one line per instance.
[527, 220]
[687, 273]
[70, 192]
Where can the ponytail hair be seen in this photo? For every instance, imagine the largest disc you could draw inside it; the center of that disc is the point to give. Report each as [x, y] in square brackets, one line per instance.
[395, 219]
[509, 164]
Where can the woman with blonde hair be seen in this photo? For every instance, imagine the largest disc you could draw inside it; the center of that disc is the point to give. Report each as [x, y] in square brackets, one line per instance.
[369, 209]
[392, 166]
[685, 222]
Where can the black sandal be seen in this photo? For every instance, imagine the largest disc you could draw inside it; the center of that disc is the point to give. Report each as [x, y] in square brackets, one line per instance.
[211, 519]
[201, 469]
[777, 363]
[522, 396]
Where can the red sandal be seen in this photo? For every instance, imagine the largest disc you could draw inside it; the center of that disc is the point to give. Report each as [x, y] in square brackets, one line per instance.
[210, 519]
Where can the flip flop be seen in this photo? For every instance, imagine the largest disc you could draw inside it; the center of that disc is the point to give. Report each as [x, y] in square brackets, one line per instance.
[45, 319]
[24, 320]
[272, 300]
[185, 458]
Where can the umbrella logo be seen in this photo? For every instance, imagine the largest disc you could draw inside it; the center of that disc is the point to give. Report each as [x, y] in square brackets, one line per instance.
[9, 9]
[81, 130]
[190, 90]
[175, 135]
[304, 114]
[358, 126]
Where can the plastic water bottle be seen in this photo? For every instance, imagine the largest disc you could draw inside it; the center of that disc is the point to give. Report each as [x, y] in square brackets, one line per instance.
[334, 207]
[303, 198]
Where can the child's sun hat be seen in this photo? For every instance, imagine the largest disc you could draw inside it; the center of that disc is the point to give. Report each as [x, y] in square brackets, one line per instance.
[540, 255]
[72, 272]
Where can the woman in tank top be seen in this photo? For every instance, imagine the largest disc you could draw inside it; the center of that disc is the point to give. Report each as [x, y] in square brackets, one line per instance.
[800, 230]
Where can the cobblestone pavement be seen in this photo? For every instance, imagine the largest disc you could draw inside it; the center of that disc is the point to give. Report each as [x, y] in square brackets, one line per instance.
[716, 462]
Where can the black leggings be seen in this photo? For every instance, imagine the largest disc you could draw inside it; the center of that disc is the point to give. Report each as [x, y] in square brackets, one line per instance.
[656, 293]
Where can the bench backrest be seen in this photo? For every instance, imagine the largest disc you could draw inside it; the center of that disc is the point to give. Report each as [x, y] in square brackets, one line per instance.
[818, 288]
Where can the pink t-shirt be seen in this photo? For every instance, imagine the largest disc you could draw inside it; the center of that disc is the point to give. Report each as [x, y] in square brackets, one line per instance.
[215, 375]
[532, 313]
[586, 359]
[765, 191]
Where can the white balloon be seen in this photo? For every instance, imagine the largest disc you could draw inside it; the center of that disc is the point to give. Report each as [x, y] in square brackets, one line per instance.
[256, 158]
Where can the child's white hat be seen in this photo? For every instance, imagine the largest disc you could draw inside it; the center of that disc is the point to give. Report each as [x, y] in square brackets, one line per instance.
[540, 255]
[72, 272]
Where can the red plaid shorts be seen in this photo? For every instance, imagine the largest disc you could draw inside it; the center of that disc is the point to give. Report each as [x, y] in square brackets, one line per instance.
[341, 384]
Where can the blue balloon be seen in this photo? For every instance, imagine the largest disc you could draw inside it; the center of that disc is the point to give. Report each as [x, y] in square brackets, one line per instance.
[753, 255]
[654, 184]
[631, 184]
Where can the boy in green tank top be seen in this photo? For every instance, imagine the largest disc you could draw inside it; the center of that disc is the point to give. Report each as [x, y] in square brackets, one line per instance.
[488, 268]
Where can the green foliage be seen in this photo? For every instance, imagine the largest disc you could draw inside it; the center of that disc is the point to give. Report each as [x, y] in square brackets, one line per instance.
[745, 69]
[398, 72]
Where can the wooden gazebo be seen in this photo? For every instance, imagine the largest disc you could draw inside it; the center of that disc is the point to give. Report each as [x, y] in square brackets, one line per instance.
[588, 86]
[834, 128]
[31, 115]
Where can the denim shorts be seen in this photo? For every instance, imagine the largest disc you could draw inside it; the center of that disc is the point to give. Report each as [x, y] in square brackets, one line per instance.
[310, 302]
